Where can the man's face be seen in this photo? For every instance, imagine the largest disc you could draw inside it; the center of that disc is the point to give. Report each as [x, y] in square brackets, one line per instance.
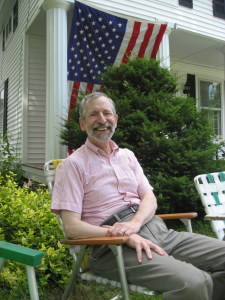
[99, 122]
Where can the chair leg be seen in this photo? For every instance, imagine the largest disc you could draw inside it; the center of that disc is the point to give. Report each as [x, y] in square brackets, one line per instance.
[187, 223]
[74, 273]
[32, 283]
[117, 250]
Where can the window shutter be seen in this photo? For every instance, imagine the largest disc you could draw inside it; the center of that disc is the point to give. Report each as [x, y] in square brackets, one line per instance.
[187, 3]
[219, 8]
[5, 112]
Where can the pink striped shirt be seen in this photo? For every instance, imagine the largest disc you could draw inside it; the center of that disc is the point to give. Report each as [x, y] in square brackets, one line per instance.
[96, 185]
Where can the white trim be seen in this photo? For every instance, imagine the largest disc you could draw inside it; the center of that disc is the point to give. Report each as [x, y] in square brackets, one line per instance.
[210, 79]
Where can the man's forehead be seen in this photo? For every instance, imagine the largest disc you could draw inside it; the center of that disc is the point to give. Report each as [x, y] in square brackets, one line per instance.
[100, 102]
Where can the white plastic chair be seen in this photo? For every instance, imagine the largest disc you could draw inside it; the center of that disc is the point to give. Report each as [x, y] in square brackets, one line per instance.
[211, 189]
[79, 249]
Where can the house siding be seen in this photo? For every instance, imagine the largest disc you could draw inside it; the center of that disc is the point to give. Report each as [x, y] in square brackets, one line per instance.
[199, 20]
[36, 99]
[12, 67]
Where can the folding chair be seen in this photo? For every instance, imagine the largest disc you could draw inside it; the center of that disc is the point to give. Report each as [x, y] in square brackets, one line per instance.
[79, 249]
[211, 189]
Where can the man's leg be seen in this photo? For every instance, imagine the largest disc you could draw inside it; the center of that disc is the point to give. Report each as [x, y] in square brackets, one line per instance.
[176, 279]
[205, 253]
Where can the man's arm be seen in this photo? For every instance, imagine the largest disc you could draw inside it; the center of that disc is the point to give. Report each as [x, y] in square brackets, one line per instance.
[75, 228]
[145, 213]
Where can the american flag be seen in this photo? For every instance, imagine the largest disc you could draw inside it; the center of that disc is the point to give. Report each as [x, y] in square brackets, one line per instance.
[99, 39]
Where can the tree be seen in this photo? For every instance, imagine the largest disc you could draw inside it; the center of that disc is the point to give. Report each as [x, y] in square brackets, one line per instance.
[172, 140]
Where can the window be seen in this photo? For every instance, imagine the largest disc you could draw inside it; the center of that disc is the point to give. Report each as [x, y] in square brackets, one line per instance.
[10, 26]
[210, 99]
[187, 3]
[4, 108]
[15, 16]
[219, 8]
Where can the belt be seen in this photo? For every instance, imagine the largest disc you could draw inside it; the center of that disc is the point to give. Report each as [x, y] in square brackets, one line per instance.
[120, 215]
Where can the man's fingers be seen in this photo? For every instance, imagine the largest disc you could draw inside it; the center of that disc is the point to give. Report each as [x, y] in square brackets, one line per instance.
[158, 250]
[139, 254]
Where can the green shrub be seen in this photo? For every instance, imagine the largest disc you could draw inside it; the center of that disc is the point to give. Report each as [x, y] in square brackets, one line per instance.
[8, 159]
[25, 219]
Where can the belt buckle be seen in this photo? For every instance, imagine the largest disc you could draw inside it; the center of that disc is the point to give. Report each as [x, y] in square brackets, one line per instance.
[133, 210]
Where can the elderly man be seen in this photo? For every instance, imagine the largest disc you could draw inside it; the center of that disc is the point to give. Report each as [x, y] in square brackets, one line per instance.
[101, 190]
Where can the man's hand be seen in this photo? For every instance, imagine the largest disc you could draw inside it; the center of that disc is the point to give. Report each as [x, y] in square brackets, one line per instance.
[139, 243]
[123, 228]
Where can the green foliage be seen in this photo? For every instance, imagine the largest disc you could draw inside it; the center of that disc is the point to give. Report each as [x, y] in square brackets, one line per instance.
[8, 159]
[25, 219]
[171, 139]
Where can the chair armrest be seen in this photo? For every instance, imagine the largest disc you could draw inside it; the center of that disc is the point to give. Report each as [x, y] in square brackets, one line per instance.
[215, 217]
[112, 240]
[189, 215]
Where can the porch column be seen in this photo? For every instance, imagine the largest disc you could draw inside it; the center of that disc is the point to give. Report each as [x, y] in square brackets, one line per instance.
[56, 74]
[164, 50]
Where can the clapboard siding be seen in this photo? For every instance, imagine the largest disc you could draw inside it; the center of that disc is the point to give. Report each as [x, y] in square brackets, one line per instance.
[200, 19]
[12, 67]
[36, 99]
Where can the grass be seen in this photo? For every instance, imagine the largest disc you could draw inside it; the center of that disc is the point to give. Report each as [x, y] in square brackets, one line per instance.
[94, 291]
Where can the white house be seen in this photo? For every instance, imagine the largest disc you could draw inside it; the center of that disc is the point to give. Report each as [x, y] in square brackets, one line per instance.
[33, 64]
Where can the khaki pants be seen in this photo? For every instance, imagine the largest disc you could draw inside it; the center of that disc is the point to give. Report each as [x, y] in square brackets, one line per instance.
[194, 269]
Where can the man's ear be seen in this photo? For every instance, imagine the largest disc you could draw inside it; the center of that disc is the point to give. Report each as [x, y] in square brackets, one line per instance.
[116, 117]
[82, 126]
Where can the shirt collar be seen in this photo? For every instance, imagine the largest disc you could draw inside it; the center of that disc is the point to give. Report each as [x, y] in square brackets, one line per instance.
[96, 149]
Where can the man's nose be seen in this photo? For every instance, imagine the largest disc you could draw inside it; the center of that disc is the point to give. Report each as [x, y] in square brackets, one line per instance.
[101, 118]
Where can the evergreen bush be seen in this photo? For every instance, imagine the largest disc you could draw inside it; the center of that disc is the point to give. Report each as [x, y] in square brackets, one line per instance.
[172, 140]
[25, 219]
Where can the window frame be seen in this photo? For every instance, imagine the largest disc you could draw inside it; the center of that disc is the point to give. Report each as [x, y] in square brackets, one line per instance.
[10, 26]
[217, 13]
[215, 109]
[186, 3]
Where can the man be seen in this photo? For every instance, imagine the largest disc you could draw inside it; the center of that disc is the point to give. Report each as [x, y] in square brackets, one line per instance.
[101, 190]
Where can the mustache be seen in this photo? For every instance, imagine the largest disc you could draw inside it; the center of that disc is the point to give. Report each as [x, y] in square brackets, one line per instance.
[96, 126]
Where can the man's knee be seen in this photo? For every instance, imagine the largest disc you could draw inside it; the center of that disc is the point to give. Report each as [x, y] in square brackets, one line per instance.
[199, 286]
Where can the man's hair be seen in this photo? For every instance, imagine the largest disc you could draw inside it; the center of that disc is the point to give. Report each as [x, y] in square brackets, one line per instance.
[90, 97]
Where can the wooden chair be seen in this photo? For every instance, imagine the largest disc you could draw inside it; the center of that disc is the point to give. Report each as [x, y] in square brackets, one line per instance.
[79, 249]
[211, 189]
